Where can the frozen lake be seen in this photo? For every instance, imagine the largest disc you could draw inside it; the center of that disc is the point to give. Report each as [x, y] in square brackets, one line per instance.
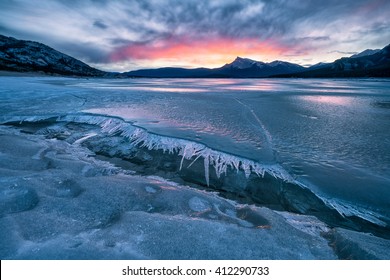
[313, 147]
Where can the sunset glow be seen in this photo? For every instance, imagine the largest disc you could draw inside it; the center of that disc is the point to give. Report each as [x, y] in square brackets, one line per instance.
[207, 53]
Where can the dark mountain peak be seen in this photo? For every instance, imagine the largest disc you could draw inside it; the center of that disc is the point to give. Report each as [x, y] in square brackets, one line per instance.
[365, 52]
[279, 63]
[276, 62]
[243, 59]
[243, 63]
[239, 58]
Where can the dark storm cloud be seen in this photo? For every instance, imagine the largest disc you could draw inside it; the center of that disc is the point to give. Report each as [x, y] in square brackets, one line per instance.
[90, 27]
[315, 38]
[300, 26]
[342, 52]
[244, 18]
[281, 20]
[100, 24]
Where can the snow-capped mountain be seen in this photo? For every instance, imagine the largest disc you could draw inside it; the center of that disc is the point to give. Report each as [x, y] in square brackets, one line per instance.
[239, 68]
[378, 60]
[285, 66]
[243, 63]
[27, 56]
[373, 65]
[245, 67]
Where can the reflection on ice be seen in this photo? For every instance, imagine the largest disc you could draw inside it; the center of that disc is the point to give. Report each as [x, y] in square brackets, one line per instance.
[155, 89]
[329, 99]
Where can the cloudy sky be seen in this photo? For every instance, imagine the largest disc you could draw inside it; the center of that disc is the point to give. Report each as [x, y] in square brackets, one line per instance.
[127, 35]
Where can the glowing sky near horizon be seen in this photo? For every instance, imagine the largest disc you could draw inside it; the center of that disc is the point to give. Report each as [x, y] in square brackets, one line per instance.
[127, 35]
[214, 51]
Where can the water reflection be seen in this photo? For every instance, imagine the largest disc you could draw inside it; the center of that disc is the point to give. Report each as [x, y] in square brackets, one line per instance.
[328, 99]
[257, 87]
[168, 89]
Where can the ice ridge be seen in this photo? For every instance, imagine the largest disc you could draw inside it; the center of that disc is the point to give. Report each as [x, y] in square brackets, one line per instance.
[188, 150]
[192, 151]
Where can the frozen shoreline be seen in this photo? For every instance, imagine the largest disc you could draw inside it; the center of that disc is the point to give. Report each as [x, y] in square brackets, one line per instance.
[189, 162]
[58, 202]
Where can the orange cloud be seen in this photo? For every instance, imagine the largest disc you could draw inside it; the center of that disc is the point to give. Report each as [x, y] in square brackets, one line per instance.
[210, 53]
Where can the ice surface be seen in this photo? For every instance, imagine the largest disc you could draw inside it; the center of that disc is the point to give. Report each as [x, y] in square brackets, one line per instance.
[356, 245]
[70, 149]
[199, 205]
[16, 199]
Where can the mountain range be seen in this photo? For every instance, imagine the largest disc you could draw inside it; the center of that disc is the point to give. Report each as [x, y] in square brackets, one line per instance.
[375, 64]
[28, 56]
[239, 68]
